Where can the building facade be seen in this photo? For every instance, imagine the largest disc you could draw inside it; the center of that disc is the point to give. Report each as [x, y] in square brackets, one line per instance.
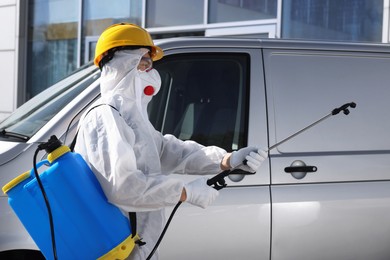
[45, 40]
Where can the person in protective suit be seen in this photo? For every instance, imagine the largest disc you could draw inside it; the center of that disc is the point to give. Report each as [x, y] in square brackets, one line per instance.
[132, 160]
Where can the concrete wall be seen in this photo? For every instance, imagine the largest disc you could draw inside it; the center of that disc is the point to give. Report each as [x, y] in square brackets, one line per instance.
[8, 56]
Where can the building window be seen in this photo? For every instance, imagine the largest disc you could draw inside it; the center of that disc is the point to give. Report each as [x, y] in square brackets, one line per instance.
[241, 10]
[52, 43]
[98, 15]
[161, 13]
[344, 20]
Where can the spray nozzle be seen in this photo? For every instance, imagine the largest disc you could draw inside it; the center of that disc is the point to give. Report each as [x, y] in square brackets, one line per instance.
[50, 145]
[344, 108]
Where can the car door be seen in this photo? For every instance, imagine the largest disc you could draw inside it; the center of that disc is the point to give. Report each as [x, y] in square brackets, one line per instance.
[215, 97]
[341, 211]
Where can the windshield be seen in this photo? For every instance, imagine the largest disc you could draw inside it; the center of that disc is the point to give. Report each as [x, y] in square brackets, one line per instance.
[35, 113]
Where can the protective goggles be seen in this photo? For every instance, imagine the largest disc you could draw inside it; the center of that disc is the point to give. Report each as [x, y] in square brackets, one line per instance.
[145, 64]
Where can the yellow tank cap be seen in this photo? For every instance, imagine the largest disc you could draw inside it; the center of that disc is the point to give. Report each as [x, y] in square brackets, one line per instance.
[121, 251]
[15, 182]
[51, 157]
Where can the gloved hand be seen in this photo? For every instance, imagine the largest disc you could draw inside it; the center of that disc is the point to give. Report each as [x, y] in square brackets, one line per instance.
[199, 193]
[253, 156]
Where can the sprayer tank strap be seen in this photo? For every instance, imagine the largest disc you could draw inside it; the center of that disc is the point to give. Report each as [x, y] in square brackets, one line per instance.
[132, 215]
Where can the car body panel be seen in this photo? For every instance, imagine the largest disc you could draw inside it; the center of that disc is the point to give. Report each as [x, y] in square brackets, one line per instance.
[341, 211]
[222, 230]
[342, 206]
[331, 221]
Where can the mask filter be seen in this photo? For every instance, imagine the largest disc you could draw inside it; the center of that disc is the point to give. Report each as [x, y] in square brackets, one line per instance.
[149, 90]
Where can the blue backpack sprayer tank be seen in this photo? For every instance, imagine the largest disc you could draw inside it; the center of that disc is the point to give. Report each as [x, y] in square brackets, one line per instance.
[65, 210]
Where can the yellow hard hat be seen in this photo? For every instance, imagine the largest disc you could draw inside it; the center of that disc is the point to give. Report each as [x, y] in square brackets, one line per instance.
[125, 34]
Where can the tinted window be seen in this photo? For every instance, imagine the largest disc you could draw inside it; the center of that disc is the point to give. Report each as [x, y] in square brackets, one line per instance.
[203, 98]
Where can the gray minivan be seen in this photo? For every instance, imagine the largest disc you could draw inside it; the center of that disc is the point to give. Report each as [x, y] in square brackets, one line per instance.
[238, 92]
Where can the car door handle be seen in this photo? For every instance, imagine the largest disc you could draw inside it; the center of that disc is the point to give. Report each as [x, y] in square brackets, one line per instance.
[307, 168]
[299, 169]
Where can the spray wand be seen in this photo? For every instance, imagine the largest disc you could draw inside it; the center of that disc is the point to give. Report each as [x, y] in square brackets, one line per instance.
[218, 181]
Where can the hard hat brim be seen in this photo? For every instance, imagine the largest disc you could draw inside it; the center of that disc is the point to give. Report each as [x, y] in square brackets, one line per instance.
[157, 53]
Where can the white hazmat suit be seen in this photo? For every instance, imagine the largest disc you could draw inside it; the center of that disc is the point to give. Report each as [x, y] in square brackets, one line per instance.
[130, 158]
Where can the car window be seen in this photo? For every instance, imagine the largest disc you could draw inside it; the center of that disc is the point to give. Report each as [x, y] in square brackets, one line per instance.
[203, 98]
[314, 83]
[35, 113]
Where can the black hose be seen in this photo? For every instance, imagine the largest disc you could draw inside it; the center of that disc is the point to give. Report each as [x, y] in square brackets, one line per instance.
[164, 230]
[217, 182]
[53, 241]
